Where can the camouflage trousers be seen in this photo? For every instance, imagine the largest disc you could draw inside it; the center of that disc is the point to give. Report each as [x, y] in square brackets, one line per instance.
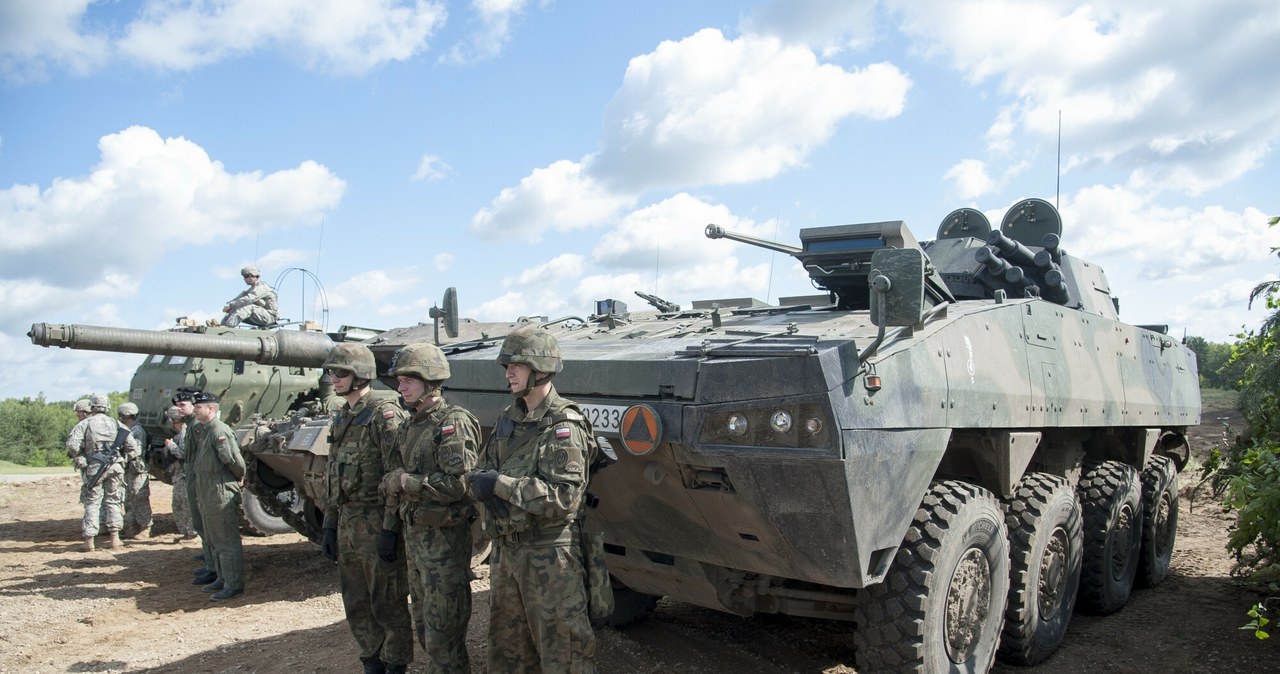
[103, 501]
[197, 519]
[374, 593]
[181, 511]
[538, 607]
[440, 583]
[220, 510]
[137, 498]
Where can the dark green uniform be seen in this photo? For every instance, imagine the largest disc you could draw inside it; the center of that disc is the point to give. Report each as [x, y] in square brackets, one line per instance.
[193, 490]
[438, 446]
[537, 585]
[218, 467]
[374, 592]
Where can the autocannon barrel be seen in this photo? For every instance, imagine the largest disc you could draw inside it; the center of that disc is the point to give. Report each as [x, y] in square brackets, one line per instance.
[296, 349]
[1011, 250]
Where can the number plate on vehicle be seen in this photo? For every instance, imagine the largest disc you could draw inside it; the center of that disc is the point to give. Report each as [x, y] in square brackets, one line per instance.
[604, 418]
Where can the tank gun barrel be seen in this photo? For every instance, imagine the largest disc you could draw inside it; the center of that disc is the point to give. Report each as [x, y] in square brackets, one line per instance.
[714, 231]
[294, 349]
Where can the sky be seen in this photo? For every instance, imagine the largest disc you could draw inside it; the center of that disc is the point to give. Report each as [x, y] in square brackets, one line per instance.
[542, 155]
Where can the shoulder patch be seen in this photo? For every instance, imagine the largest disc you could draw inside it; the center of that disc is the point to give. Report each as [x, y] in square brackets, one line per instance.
[222, 439]
[448, 429]
[387, 414]
[562, 458]
[563, 432]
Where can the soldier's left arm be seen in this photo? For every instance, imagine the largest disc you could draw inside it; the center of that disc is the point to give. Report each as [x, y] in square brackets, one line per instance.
[385, 431]
[556, 489]
[456, 455]
[229, 452]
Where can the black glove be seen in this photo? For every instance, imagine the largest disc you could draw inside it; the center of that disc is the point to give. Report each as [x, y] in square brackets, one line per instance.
[497, 507]
[387, 545]
[329, 544]
[482, 483]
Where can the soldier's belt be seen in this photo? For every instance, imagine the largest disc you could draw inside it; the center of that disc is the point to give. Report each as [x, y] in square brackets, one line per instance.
[561, 534]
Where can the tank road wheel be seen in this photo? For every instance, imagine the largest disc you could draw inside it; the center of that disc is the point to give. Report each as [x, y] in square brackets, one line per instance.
[1159, 519]
[629, 606]
[1112, 503]
[941, 606]
[256, 521]
[1045, 543]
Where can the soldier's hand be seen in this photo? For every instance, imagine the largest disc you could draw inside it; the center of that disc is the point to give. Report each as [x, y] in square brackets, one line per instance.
[497, 507]
[387, 541]
[329, 544]
[80, 463]
[391, 483]
[481, 484]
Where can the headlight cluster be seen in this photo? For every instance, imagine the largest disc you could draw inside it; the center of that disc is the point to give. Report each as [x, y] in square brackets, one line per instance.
[790, 425]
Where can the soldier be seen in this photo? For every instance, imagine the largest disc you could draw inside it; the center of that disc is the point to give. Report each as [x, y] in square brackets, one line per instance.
[137, 485]
[255, 305]
[219, 470]
[177, 472]
[184, 401]
[81, 408]
[438, 446]
[360, 529]
[99, 446]
[533, 479]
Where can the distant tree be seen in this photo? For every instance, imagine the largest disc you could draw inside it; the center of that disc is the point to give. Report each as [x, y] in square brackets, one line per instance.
[33, 431]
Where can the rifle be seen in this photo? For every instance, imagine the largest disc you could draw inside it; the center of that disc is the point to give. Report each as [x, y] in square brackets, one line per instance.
[105, 459]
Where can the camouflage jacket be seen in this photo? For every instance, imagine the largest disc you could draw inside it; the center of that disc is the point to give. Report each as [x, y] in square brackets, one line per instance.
[361, 445]
[97, 433]
[260, 294]
[438, 446]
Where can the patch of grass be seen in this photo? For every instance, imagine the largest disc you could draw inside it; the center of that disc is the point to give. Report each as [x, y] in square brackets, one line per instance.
[9, 468]
[1217, 400]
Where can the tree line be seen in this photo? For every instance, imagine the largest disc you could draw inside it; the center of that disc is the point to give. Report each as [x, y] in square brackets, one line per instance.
[33, 431]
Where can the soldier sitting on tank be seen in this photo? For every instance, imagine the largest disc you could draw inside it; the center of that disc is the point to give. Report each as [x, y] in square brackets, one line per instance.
[256, 305]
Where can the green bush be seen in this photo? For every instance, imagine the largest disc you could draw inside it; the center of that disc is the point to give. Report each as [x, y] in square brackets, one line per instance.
[33, 431]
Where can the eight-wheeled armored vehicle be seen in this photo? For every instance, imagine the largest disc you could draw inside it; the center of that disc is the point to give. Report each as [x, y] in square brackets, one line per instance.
[954, 445]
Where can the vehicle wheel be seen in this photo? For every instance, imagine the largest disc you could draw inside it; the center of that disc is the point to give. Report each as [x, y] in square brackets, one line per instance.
[1159, 519]
[942, 604]
[629, 606]
[1111, 501]
[256, 521]
[1045, 543]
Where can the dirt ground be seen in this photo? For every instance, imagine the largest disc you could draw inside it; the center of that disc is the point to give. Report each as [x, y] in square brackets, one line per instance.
[135, 610]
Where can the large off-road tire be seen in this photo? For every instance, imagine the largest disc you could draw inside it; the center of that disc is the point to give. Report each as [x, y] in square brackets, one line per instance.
[942, 604]
[629, 606]
[1159, 519]
[256, 521]
[1111, 500]
[1045, 544]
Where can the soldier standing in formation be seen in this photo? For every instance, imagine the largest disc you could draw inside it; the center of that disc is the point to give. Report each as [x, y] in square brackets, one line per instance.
[219, 471]
[438, 445]
[184, 401]
[137, 485]
[177, 472]
[532, 483]
[255, 305]
[360, 530]
[99, 446]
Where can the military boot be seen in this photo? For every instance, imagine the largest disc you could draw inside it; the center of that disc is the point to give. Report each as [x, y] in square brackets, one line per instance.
[395, 669]
[114, 541]
[205, 578]
[88, 544]
[373, 666]
[144, 533]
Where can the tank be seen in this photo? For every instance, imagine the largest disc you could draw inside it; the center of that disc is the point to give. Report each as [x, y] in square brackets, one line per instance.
[954, 445]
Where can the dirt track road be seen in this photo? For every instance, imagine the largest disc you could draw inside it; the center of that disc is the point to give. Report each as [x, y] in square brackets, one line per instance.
[135, 610]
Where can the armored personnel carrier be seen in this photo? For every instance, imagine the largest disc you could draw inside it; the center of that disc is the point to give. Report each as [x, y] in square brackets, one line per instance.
[954, 445]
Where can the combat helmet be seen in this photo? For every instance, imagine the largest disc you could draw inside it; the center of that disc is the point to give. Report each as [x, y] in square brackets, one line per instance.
[127, 410]
[98, 403]
[82, 405]
[423, 360]
[355, 357]
[532, 346]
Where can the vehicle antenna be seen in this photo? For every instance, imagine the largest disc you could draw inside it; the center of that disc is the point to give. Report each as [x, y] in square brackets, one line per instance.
[768, 292]
[320, 249]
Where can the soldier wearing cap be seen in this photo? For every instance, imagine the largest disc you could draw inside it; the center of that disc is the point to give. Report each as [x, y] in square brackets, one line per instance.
[137, 486]
[360, 528]
[175, 465]
[438, 445]
[256, 305]
[99, 446]
[219, 474]
[184, 401]
[532, 482]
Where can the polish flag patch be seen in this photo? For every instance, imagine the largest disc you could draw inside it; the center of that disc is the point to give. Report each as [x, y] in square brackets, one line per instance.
[562, 433]
[388, 414]
[447, 430]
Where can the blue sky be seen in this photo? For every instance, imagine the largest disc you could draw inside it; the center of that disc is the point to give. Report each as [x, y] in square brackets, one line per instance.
[541, 155]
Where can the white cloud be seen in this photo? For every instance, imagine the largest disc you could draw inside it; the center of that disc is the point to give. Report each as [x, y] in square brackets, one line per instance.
[494, 19]
[155, 194]
[671, 235]
[443, 261]
[503, 308]
[969, 179]
[559, 268]
[36, 37]
[827, 26]
[431, 168]
[709, 110]
[368, 287]
[1139, 86]
[561, 197]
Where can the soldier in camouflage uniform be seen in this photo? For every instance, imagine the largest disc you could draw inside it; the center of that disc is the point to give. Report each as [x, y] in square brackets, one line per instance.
[137, 483]
[219, 470]
[255, 305]
[438, 446]
[177, 472]
[81, 408]
[360, 530]
[533, 479]
[99, 447]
